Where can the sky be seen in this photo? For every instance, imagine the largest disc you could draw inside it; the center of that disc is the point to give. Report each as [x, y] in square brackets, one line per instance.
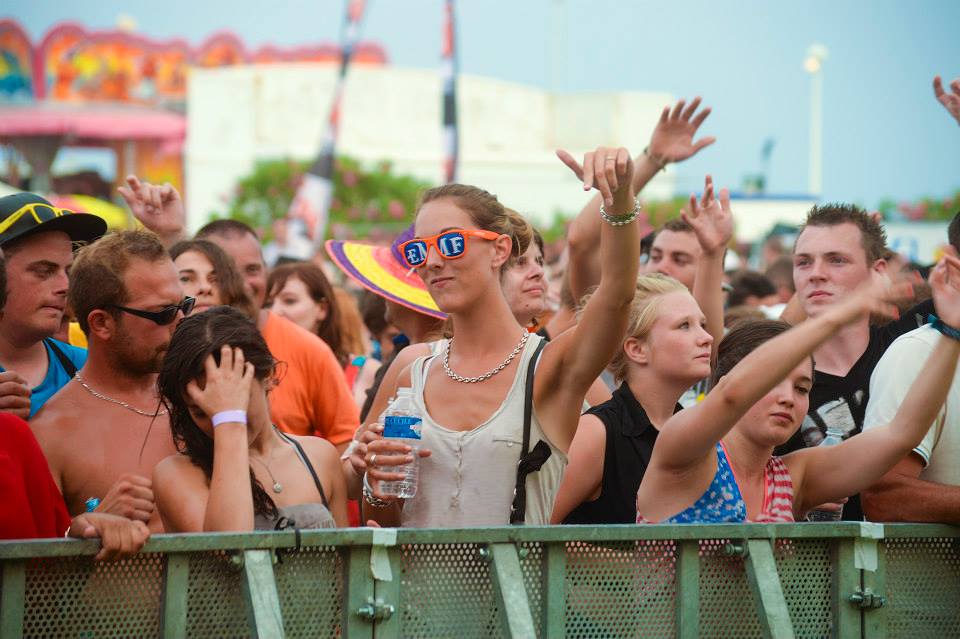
[885, 136]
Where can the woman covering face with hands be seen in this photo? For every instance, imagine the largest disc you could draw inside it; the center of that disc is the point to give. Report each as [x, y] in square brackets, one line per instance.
[235, 470]
[472, 394]
[713, 462]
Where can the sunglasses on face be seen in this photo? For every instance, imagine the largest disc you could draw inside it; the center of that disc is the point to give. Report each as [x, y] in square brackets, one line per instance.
[450, 245]
[165, 315]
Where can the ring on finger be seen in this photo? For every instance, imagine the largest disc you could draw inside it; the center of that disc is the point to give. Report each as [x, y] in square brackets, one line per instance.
[610, 159]
[373, 459]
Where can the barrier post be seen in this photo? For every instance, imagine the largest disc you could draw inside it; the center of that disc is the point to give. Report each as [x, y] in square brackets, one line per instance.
[688, 589]
[12, 599]
[260, 592]
[767, 591]
[176, 574]
[511, 593]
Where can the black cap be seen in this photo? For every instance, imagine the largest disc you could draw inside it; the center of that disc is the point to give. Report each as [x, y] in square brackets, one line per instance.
[18, 219]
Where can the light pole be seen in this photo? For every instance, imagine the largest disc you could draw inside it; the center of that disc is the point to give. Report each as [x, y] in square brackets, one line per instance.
[813, 64]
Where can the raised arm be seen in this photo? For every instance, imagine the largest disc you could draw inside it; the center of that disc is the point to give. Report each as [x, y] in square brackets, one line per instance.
[227, 388]
[829, 473]
[671, 141]
[951, 100]
[691, 434]
[712, 223]
[572, 361]
[158, 208]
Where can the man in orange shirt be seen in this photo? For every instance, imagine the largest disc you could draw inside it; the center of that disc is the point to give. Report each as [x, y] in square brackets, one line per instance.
[312, 397]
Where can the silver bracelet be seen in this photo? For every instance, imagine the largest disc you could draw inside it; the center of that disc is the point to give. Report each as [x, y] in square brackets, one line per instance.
[372, 499]
[621, 220]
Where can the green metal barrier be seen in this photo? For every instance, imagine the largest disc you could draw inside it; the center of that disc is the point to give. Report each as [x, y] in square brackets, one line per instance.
[787, 580]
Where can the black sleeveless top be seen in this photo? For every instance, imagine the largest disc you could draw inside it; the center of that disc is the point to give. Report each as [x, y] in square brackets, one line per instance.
[630, 440]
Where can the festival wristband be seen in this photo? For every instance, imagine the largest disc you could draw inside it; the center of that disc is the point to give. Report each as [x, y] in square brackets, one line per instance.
[92, 504]
[229, 417]
[945, 329]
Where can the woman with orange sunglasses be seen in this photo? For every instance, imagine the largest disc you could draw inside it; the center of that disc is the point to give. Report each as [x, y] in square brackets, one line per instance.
[472, 392]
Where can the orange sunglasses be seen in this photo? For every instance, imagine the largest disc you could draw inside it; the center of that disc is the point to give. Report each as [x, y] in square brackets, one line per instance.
[450, 245]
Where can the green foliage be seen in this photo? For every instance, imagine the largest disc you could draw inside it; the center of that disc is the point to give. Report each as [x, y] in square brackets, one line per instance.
[365, 202]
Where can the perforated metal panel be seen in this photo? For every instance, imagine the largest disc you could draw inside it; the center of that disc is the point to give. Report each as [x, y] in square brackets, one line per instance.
[75, 597]
[621, 589]
[923, 587]
[215, 606]
[310, 585]
[806, 574]
[446, 591]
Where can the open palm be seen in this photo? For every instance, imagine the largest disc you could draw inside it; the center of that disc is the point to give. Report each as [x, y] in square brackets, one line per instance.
[710, 218]
[672, 139]
[950, 100]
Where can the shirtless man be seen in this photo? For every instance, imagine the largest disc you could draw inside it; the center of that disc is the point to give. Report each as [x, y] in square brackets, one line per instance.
[105, 431]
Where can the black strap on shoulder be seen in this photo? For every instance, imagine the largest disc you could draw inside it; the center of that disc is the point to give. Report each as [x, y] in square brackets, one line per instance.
[65, 362]
[306, 462]
[532, 461]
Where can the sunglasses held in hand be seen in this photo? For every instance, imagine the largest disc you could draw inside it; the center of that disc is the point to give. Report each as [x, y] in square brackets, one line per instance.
[450, 245]
[165, 315]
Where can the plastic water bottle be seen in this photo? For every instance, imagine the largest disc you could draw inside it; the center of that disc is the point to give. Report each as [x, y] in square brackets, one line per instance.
[834, 437]
[402, 422]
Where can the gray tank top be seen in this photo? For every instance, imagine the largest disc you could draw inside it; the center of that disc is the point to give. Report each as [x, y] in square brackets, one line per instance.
[468, 479]
[303, 516]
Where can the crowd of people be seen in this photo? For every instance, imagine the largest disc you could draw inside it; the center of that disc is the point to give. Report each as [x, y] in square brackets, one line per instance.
[153, 382]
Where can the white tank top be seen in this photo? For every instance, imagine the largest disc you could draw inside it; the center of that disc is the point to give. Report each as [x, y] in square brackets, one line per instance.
[468, 479]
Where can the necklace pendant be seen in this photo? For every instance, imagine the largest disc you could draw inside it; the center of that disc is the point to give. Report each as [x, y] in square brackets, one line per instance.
[277, 487]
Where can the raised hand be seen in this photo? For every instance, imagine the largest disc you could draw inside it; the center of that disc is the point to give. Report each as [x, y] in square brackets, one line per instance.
[710, 218]
[945, 282]
[878, 297]
[950, 101]
[672, 139]
[158, 208]
[119, 537]
[609, 170]
[227, 385]
[14, 394]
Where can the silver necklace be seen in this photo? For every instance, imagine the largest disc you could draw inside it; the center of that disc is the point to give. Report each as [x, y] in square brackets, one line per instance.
[485, 376]
[118, 402]
[277, 486]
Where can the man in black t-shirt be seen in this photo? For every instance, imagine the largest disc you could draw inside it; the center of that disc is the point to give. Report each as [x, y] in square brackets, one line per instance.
[840, 248]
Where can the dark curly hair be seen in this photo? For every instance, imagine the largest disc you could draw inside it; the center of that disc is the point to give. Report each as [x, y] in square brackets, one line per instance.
[196, 337]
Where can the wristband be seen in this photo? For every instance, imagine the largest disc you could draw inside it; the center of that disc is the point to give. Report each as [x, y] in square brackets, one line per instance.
[92, 504]
[229, 417]
[944, 329]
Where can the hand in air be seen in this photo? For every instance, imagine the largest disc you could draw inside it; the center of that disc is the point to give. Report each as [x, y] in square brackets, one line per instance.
[672, 139]
[878, 297]
[951, 100]
[710, 218]
[609, 170]
[158, 208]
[945, 282]
[227, 386]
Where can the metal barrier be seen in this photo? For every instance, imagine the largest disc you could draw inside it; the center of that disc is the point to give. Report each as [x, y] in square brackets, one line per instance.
[786, 580]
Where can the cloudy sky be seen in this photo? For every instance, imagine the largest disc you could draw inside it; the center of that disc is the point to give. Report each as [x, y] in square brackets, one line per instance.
[884, 134]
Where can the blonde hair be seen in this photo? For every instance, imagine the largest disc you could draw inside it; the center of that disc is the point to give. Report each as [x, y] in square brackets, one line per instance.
[644, 311]
[487, 213]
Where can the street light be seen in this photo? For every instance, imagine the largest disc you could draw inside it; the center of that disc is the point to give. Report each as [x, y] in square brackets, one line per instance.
[813, 64]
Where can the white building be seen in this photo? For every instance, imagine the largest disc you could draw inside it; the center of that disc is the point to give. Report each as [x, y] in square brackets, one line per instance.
[508, 131]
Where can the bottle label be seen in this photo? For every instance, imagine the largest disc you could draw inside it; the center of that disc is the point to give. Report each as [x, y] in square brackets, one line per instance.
[402, 426]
